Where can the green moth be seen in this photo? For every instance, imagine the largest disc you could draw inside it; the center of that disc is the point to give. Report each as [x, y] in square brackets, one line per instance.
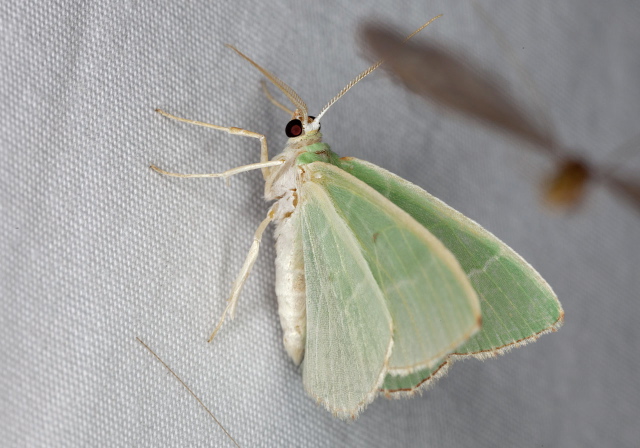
[380, 285]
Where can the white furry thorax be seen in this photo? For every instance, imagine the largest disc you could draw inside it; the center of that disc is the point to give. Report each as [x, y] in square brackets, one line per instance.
[284, 179]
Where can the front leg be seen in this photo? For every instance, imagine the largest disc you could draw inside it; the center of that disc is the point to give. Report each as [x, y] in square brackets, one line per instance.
[264, 151]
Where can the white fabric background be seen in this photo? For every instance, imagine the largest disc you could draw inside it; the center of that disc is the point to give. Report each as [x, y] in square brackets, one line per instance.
[98, 249]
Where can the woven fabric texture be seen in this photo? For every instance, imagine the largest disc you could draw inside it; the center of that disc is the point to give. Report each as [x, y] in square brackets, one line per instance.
[97, 249]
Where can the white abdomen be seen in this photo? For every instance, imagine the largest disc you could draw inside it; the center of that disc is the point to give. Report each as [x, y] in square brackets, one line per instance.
[290, 285]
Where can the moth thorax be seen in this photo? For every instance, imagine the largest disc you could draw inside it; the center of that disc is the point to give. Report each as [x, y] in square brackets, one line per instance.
[283, 179]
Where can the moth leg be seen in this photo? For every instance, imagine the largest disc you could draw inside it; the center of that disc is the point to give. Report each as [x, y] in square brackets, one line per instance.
[264, 151]
[225, 174]
[244, 272]
[275, 101]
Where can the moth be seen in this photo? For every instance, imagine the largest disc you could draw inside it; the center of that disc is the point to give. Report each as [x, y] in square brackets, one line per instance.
[380, 286]
[438, 75]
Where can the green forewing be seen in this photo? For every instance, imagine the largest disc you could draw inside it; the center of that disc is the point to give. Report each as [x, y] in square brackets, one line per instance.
[433, 306]
[349, 329]
[517, 304]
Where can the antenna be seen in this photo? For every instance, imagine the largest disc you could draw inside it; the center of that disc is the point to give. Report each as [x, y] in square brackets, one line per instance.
[362, 75]
[288, 91]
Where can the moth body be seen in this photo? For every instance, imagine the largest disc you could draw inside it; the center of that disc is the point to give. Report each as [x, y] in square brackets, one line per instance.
[282, 185]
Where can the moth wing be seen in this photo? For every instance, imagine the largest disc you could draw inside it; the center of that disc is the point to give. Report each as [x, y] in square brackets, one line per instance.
[398, 386]
[349, 329]
[433, 306]
[517, 304]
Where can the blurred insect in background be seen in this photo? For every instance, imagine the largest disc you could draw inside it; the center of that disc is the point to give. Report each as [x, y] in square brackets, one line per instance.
[437, 75]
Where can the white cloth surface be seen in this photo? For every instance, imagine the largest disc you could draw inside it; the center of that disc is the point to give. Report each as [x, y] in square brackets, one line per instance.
[98, 249]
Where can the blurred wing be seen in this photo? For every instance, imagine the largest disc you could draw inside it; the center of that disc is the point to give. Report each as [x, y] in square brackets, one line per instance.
[434, 74]
[627, 188]
[517, 304]
[433, 306]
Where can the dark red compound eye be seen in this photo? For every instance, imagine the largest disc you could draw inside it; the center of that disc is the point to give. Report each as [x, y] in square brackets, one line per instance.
[294, 128]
